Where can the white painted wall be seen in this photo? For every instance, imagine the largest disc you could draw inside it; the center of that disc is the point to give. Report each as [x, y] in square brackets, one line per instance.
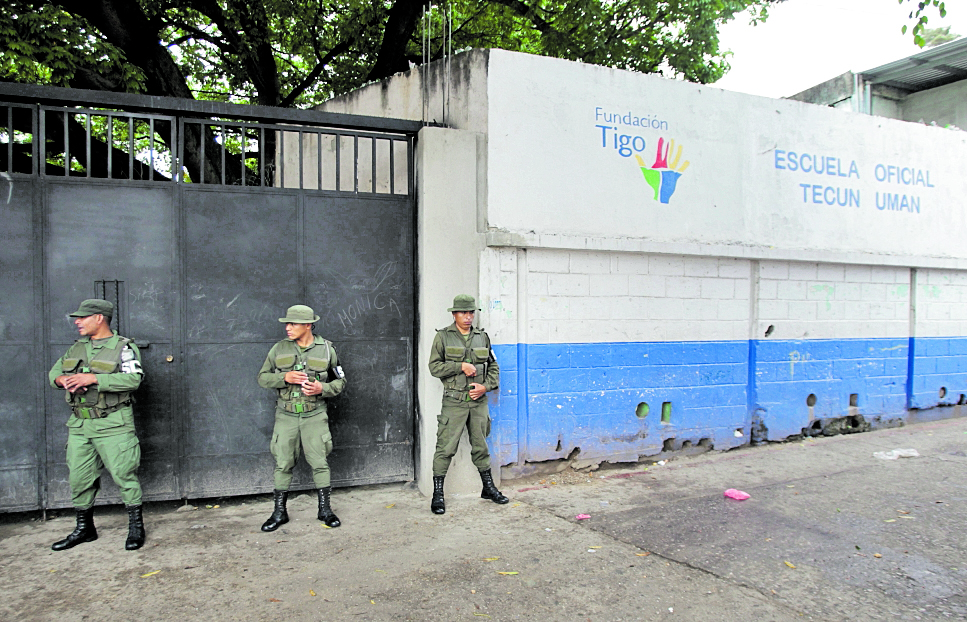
[593, 296]
[549, 174]
[832, 301]
[941, 303]
[942, 105]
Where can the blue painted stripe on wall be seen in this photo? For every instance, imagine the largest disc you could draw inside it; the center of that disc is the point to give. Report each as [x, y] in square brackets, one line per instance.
[555, 398]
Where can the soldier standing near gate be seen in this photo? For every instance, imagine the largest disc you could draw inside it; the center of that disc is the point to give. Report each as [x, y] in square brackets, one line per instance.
[304, 370]
[462, 358]
[100, 373]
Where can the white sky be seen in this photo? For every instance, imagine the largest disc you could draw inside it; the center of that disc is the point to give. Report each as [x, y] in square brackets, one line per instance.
[806, 42]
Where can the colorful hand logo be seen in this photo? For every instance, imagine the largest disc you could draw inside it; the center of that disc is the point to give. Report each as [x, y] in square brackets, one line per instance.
[661, 176]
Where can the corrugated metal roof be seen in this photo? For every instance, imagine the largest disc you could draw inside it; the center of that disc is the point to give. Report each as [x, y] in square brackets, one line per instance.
[926, 70]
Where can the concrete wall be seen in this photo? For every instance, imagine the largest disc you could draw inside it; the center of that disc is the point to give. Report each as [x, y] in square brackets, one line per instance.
[944, 105]
[805, 265]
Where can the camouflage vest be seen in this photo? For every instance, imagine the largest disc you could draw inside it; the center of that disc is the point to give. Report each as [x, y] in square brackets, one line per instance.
[457, 349]
[92, 403]
[314, 362]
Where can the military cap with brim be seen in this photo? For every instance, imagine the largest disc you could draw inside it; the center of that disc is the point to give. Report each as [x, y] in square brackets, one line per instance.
[94, 306]
[463, 302]
[299, 314]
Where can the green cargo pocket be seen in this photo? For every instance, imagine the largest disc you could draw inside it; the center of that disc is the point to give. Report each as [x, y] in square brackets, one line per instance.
[102, 367]
[481, 354]
[284, 362]
[455, 353]
[272, 445]
[129, 455]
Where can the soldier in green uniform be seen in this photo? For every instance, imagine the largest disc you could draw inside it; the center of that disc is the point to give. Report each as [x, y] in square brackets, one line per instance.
[304, 370]
[100, 373]
[462, 358]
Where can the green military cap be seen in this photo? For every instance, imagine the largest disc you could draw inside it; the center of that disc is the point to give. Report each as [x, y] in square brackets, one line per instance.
[299, 314]
[93, 306]
[463, 302]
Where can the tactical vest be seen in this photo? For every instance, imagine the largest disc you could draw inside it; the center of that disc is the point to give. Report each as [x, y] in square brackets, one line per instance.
[314, 362]
[92, 403]
[475, 351]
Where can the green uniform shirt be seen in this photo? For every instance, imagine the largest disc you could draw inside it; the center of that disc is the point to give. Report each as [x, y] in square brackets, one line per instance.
[449, 367]
[271, 377]
[119, 381]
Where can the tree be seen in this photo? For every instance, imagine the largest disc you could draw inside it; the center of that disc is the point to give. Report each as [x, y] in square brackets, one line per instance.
[933, 37]
[297, 53]
[300, 52]
[920, 15]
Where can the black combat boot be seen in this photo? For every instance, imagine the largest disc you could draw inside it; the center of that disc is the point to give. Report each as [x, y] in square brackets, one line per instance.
[135, 528]
[437, 506]
[84, 532]
[489, 490]
[325, 512]
[279, 515]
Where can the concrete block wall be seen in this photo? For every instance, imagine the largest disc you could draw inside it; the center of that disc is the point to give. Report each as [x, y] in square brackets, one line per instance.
[828, 337]
[939, 349]
[604, 339]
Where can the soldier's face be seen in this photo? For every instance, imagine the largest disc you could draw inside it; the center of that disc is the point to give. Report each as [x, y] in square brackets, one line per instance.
[296, 332]
[87, 326]
[464, 319]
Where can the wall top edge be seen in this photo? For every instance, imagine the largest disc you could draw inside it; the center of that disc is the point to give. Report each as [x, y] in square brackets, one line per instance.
[530, 240]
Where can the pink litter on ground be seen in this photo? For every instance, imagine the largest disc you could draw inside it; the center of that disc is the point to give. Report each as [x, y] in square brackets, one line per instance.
[738, 495]
[582, 517]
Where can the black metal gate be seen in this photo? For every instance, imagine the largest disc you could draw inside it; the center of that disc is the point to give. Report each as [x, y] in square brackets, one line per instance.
[203, 222]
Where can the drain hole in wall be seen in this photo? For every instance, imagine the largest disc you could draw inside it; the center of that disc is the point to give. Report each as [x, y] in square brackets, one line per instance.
[706, 443]
[943, 392]
[686, 444]
[666, 412]
[811, 400]
[642, 411]
[963, 399]
[668, 444]
[854, 399]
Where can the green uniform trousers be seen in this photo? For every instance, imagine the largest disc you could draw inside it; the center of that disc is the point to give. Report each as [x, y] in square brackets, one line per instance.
[89, 452]
[311, 435]
[454, 417]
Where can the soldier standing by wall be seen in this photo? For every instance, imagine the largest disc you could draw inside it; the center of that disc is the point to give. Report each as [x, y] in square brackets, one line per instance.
[304, 370]
[100, 373]
[462, 358]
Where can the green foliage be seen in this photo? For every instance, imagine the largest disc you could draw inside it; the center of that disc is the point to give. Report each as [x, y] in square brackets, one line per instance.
[301, 52]
[920, 15]
[46, 45]
[938, 36]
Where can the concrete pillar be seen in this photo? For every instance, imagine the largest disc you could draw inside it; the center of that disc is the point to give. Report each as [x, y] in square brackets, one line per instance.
[449, 247]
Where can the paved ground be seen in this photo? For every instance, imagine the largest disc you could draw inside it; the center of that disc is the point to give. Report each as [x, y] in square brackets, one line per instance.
[830, 533]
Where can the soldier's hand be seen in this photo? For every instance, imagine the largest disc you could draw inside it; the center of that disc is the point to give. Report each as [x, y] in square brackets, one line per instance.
[295, 377]
[468, 369]
[312, 388]
[477, 390]
[75, 382]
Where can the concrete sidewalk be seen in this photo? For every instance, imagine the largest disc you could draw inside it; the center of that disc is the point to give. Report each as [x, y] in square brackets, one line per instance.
[830, 533]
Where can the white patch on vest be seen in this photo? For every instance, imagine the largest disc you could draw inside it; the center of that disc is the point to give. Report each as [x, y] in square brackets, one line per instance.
[131, 367]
